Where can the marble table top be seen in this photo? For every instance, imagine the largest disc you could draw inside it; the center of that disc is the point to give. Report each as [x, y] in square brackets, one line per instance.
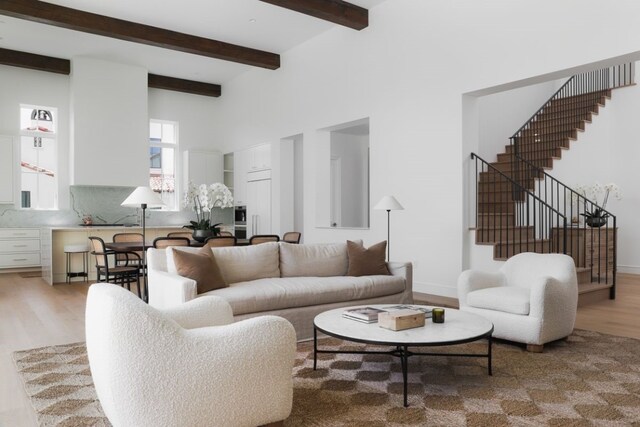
[459, 327]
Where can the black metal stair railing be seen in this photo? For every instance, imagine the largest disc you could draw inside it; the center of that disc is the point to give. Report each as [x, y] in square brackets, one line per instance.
[542, 138]
[513, 218]
[566, 111]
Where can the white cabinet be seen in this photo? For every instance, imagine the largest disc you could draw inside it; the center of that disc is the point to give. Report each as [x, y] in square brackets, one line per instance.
[252, 159]
[202, 167]
[19, 247]
[259, 203]
[240, 169]
[7, 170]
[260, 157]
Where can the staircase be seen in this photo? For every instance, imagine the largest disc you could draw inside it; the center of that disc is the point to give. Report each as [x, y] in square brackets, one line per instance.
[521, 208]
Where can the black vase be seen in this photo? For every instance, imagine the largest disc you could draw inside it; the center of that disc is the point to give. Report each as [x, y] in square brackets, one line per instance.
[202, 235]
[595, 221]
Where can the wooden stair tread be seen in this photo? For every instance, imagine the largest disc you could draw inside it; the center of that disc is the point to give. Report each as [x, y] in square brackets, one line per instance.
[592, 287]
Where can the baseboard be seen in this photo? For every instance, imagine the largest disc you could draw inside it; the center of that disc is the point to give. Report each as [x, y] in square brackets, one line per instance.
[435, 289]
[629, 269]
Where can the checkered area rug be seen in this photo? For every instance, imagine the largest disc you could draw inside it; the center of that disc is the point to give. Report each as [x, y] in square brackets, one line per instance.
[589, 379]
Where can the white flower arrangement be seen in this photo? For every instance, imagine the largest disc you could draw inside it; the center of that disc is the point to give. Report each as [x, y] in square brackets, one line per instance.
[597, 216]
[203, 198]
[596, 190]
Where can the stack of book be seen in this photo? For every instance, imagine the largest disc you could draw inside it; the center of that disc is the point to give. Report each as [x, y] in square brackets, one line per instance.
[370, 314]
[363, 314]
[427, 311]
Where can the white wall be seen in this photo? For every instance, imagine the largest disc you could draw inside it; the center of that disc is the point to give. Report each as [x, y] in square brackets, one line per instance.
[353, 152]
[298, 184]
[197, 117]
[608, 151]
[20, 86]
[110, 129]
[501, 114]
[407, 72]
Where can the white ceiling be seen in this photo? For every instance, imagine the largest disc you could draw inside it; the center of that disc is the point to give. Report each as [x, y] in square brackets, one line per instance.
[275, 30]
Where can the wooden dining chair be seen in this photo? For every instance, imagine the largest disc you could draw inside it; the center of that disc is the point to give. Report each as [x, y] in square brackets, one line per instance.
[123, 274]
[165, 242]
[292, 237]
[225, 234]
[127, 237]
[185, 234]
[220, 241]
[263, 238]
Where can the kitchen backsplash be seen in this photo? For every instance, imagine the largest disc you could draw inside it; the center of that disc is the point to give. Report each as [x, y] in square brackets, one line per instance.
[103, 204]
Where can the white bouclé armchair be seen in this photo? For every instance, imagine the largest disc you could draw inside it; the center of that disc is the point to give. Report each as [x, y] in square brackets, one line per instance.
[533, 299]
[189, 365]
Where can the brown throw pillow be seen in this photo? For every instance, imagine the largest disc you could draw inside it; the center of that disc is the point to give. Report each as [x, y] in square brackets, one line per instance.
[201, 267]
[367, 262]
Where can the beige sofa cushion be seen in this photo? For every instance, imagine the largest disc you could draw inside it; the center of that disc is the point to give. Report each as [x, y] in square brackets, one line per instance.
[314, 260]
[244, 263]
[240, 263]
[279, 293]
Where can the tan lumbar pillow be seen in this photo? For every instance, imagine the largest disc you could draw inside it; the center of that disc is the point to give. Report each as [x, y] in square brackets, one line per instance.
[201, 267]
[367, 262]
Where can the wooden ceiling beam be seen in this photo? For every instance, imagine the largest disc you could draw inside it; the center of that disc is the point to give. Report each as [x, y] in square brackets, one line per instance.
[50, 64]
[35, 62]
[336, 11]
[182, 85]
[78, 20]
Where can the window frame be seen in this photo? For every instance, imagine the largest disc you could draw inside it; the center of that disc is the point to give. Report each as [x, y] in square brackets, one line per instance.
[176, 164]
[53, 136]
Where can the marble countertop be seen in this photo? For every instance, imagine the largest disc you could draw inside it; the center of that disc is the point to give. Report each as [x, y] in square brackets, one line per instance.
[111, 227]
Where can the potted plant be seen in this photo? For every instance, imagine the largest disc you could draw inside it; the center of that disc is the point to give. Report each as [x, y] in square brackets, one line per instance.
[598, 216]
[203, 198]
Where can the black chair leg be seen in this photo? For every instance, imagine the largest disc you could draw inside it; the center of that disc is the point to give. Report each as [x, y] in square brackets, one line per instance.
[138, 284]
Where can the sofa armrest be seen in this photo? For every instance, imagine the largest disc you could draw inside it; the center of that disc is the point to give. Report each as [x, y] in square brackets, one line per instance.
[473, 280]
[405, 270]
[201, 312]
[169, 290]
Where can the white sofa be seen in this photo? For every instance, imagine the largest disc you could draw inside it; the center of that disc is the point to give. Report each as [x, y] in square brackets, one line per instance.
[533, 299]
[189, 365]
[296, 282]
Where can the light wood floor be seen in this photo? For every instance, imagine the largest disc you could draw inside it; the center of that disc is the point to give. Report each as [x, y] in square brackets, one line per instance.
[34, 314]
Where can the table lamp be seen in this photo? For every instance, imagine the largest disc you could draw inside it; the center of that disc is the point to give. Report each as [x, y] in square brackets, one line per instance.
[143, 197]
[388, 203]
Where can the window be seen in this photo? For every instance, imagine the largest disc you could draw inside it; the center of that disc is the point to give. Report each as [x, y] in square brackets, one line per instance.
[38, 157]
[163, 146]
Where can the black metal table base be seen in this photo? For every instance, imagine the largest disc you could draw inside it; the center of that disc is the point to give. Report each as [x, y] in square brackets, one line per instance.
[403, 352]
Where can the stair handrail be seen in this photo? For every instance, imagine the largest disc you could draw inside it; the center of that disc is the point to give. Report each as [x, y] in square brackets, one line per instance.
[606, 80]
[575, 193]
[545, 217]
[552, 98]
[519, 186]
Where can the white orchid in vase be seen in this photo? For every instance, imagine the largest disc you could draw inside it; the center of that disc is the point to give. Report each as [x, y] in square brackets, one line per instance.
[597, 216]
[203, 198]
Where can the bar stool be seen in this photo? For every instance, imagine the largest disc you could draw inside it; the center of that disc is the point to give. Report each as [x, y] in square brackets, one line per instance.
[69, 250]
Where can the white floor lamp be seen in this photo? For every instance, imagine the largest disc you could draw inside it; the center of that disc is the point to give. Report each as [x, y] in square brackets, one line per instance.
[143, 197]
[388, 203]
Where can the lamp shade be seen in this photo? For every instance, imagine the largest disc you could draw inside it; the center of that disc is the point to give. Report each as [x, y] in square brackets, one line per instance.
[143, 195]
[388, 203]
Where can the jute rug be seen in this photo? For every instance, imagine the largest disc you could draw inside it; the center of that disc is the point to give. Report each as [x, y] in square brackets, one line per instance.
[587, 379]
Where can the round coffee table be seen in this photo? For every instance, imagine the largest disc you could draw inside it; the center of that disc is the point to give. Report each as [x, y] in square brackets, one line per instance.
[459, 327]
